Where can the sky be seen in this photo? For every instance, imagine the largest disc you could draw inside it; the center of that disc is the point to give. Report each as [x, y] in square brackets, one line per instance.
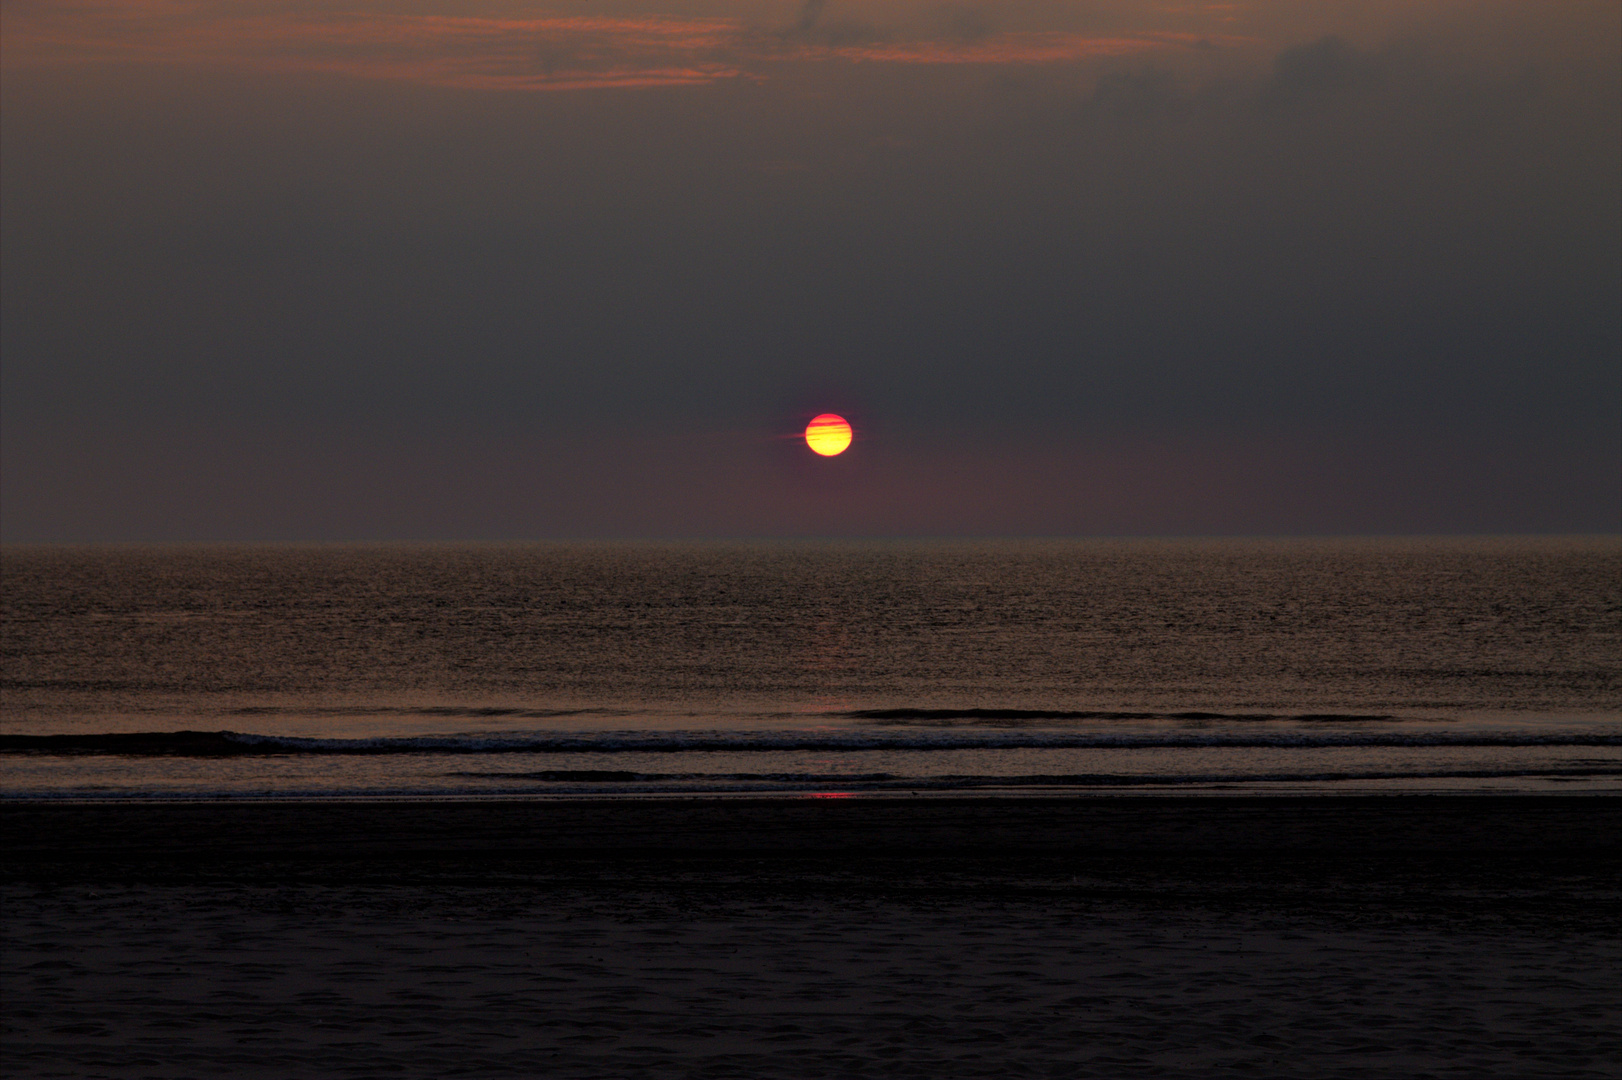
[504, 270]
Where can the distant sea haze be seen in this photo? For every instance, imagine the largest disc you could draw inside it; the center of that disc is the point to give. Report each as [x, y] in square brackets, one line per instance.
[1015, 668]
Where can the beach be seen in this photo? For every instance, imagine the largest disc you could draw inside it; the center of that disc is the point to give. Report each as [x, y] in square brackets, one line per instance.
[934, 538]
[1377, 936]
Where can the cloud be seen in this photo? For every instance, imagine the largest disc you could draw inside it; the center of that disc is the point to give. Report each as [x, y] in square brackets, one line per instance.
[1017, 48]
[964, 22]
[810, 29]
[567, 52]
[507, 53]
[1410, 245]
[810, 12]
[1313, 76]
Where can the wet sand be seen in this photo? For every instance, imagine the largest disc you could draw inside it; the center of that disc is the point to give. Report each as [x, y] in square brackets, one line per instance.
[1446, 936]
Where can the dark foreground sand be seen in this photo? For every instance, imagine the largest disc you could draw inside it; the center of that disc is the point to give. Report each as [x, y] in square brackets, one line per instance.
[1086, 937]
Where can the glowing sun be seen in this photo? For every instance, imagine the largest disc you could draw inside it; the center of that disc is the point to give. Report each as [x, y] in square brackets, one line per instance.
[828, 434]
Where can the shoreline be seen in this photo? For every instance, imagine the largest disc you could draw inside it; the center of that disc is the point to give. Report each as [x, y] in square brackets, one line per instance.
[1399, 830]
[1144, 793]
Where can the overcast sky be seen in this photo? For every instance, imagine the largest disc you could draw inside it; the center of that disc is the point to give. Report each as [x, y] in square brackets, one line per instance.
[500, 270]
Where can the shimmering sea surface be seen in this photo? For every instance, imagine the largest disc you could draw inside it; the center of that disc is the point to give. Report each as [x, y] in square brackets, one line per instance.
[590, 670]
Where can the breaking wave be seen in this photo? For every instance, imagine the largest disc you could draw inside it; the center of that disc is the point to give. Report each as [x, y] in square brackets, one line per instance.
[235, 744]
[946, 717]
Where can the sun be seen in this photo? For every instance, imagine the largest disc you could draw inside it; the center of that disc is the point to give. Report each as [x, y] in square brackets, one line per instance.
[828, 434]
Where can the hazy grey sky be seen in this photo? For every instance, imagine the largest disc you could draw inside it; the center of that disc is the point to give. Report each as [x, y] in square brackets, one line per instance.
[504, 270]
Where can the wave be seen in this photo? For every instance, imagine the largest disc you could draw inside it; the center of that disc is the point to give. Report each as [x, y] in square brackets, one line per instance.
[994, 717]
[237, 744]
[1024, 716]
[882, 781]
[572, 783]
[459, 711]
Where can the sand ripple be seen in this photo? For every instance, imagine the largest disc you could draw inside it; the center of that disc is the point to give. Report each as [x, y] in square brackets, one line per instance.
[363, 981]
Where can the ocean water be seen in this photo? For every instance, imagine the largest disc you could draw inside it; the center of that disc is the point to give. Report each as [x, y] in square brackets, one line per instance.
[636, 669]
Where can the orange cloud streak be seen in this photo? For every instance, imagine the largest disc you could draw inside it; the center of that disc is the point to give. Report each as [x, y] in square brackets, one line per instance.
[1029, 48]
[485, 53]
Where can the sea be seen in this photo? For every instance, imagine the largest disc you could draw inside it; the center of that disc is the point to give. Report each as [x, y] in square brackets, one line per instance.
[811, 669]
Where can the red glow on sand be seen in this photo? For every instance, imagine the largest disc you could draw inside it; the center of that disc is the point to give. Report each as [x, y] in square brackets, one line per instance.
[829, 795]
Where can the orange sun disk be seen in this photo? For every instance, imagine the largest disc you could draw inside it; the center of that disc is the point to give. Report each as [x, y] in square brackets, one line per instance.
[828, 434]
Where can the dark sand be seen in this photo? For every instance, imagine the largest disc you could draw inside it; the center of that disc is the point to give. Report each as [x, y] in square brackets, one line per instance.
[1418, 936]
